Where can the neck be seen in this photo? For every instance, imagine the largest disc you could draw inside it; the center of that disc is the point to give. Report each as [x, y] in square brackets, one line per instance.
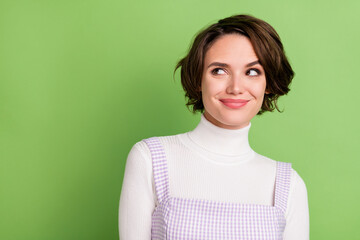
[229, 142]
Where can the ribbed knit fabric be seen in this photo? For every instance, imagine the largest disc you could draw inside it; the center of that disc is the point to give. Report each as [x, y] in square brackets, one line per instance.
[186, 219]
[212, 164]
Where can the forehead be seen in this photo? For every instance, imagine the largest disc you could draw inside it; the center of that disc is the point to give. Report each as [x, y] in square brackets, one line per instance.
[231, 47]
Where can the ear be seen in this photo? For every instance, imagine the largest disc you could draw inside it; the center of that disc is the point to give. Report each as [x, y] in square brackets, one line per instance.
[267, 92]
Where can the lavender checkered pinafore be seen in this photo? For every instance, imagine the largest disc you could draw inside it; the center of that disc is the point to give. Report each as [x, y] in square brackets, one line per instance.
[196, 219]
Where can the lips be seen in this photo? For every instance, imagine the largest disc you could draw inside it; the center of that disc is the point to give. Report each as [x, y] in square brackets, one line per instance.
[229, 100]
[234, 103]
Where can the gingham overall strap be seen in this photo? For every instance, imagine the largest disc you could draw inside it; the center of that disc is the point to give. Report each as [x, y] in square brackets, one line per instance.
[160, 169]
[282, 185]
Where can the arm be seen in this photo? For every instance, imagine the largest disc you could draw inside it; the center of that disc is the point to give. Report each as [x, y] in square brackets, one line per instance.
[297, 213]
[137, 200]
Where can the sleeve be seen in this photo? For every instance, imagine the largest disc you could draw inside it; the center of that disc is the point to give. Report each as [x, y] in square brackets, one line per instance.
[297, 212]
[138, 198]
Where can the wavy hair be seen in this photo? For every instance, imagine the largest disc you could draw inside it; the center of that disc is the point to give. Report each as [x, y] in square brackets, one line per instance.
[267, 46]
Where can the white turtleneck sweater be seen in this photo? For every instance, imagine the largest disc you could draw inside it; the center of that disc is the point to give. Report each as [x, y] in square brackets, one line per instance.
[210, 163]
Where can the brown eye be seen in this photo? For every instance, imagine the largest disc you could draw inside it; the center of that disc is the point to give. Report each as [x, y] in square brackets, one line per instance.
[218, 71]
[253, 72]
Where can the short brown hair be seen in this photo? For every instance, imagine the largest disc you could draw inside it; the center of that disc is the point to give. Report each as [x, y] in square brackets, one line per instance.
[267, 46]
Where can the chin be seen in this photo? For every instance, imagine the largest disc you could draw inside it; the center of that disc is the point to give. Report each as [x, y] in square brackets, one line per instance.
[237, 123]
[232, 120]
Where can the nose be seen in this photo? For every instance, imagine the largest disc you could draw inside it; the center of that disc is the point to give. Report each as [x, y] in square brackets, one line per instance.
[235, 85]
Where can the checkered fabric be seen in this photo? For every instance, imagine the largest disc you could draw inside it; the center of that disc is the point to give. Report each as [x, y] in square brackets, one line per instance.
[196, 219]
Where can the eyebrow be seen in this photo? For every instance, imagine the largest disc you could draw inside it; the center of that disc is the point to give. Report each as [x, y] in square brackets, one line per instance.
[219, 64]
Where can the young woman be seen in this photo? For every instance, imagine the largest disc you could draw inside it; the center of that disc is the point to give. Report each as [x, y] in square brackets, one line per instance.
[208, 183]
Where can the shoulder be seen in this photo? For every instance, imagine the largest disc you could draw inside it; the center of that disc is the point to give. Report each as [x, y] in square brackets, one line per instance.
[264, 161]
[296, 182]
[268, 164]
[166, 142]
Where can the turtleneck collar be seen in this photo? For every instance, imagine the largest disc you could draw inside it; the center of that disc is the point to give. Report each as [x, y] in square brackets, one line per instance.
[226, 142]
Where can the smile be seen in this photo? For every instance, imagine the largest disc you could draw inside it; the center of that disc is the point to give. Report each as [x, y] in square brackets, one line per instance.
[234, 103]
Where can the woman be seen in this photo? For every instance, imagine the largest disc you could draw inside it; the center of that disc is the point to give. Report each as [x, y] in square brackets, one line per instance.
[208, 183]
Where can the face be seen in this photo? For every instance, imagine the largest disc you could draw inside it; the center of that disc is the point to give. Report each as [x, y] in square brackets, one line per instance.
[233, 83]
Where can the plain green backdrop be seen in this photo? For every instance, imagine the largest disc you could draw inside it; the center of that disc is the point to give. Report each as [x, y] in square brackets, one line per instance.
[82, 81]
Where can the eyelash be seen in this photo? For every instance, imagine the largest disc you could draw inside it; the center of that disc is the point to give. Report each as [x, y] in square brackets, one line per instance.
[254, 69]
[215, 69]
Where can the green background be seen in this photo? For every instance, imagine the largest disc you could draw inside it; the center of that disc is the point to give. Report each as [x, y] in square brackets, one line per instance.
[82, 81]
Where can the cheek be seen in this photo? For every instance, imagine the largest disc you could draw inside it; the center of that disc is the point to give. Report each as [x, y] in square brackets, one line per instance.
[211, 87]
[258, 90]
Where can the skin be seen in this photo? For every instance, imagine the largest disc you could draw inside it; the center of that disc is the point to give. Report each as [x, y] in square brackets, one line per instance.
[235, 81]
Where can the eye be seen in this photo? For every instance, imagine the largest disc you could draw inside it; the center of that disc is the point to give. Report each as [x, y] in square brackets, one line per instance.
[253, 72]
[218, 71]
